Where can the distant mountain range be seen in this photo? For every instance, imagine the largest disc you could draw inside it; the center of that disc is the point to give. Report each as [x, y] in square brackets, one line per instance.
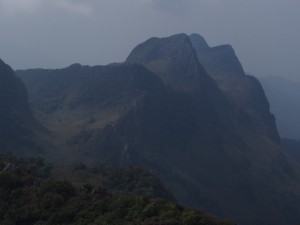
[181, 109]
[284, 96]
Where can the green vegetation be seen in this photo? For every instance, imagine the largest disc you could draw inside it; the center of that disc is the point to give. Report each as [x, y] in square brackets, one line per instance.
[28, 197]
[134, 180]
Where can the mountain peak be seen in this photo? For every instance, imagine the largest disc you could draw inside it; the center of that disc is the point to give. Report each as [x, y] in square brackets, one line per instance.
[75, 66]
[5, 70]
[217, 61]
[155, 48]
[222, 65]
[199, 42]
[173, 59]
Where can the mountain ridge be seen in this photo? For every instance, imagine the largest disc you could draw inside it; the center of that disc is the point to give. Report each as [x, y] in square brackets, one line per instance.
[222, 64]
[207, 147]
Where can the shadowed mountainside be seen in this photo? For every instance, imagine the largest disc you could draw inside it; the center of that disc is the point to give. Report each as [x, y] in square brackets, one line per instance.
[212, 150]
[18, 128]
[80, 105]
[223, 66]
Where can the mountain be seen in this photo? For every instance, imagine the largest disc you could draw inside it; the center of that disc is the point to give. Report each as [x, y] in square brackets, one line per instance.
[247, 142]
[173, 59]
[161, 110]
[222, 64]
[18, 127]
[283, 95]
[80, 105]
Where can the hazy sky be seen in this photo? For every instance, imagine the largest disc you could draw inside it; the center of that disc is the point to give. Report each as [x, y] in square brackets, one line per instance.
[56, 33]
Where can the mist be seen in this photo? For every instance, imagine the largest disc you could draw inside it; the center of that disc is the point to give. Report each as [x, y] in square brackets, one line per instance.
[57, 33]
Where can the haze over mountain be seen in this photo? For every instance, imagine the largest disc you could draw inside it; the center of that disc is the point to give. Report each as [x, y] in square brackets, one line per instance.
[284, 96]
[100, 32]
[214, 145]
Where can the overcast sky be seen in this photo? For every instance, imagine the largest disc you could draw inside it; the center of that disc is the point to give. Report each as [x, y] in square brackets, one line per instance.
[56, 33]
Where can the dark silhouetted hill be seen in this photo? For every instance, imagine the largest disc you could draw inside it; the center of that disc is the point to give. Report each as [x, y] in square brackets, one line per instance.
[18, 128]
